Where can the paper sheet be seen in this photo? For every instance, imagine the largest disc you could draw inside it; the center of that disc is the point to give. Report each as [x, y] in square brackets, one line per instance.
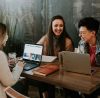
[48, 58]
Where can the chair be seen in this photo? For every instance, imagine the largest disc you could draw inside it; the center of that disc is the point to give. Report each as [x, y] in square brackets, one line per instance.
[11, 93]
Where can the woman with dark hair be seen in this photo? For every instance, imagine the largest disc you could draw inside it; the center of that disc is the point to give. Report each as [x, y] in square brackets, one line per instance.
[57, 38]
[55, 41]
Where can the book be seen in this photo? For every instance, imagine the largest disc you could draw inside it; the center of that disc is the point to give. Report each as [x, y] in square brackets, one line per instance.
[45, 70]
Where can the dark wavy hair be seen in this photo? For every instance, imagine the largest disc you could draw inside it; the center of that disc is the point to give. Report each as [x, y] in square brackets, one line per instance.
[90, 23]
[61, 39]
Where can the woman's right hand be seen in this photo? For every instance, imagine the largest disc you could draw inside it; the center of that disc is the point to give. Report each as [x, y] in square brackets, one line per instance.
[21, 63]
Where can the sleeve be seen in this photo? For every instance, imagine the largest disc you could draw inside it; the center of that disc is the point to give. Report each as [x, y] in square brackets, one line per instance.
[8, 78]
[41, 41]
[44, 42]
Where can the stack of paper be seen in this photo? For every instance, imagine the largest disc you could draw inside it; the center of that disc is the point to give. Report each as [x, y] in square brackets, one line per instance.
[48, 58]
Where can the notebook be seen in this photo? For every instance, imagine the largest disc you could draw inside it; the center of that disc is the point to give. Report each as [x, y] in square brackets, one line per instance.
[32, 56]
[75, 62]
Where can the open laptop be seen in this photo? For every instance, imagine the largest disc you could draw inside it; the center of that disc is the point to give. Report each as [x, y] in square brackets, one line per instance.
[32, 56]
[75, 62]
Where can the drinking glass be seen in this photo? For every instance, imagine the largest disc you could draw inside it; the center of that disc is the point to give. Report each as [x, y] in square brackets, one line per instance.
[12, 59]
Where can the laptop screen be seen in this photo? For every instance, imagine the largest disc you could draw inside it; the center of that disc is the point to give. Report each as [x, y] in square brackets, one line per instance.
[32, 52]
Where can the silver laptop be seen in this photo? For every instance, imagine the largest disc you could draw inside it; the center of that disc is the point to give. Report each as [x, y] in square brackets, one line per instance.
[75, 62]
[32, 56]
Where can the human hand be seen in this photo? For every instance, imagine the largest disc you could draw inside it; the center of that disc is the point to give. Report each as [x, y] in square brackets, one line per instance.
[21, 63]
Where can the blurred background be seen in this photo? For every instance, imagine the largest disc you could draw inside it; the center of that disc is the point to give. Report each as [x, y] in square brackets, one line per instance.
[27, 20]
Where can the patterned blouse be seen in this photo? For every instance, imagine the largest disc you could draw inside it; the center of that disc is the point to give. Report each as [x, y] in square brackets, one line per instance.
[84, 48]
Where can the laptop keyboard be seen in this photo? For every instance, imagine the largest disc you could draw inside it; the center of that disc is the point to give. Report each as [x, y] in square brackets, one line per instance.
[30, 65]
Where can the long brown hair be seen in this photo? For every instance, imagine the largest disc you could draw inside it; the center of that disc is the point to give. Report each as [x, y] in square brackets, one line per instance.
[61, 39]
[2, 34]
[2, 29]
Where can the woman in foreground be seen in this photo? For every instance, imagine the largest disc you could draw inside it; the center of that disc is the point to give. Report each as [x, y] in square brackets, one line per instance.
[7, 78]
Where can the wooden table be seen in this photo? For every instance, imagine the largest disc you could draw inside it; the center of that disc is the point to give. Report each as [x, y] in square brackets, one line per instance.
[86, 84]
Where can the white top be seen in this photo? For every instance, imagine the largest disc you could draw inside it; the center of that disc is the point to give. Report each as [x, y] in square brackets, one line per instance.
[7, 78]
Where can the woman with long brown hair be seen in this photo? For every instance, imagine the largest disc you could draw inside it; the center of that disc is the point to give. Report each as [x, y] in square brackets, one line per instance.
[55, 41]
[57, 38]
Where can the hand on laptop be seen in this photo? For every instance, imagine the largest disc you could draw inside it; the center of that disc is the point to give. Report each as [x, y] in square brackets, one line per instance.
[21, 63]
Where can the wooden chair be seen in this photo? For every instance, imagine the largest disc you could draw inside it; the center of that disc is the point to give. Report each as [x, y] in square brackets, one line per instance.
[11, 93]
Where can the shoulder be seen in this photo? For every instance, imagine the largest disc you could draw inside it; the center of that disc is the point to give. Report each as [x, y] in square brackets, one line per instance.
[2, 53]
[43, 39]
[81, 42]
[68, 41]
[45, 36]
[3, 56]
[68, 44]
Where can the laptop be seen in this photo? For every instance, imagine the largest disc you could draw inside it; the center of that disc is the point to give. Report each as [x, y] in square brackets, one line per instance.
[75, 62]
[32, 56]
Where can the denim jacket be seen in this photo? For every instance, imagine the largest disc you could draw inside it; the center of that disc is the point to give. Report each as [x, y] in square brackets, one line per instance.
[84, 48]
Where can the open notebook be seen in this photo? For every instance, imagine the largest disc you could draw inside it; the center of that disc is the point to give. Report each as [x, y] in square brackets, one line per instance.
[32, 55]
[75, 62]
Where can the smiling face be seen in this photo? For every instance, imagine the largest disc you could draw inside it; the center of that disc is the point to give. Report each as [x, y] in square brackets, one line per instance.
[86, 34]
[57, 27]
